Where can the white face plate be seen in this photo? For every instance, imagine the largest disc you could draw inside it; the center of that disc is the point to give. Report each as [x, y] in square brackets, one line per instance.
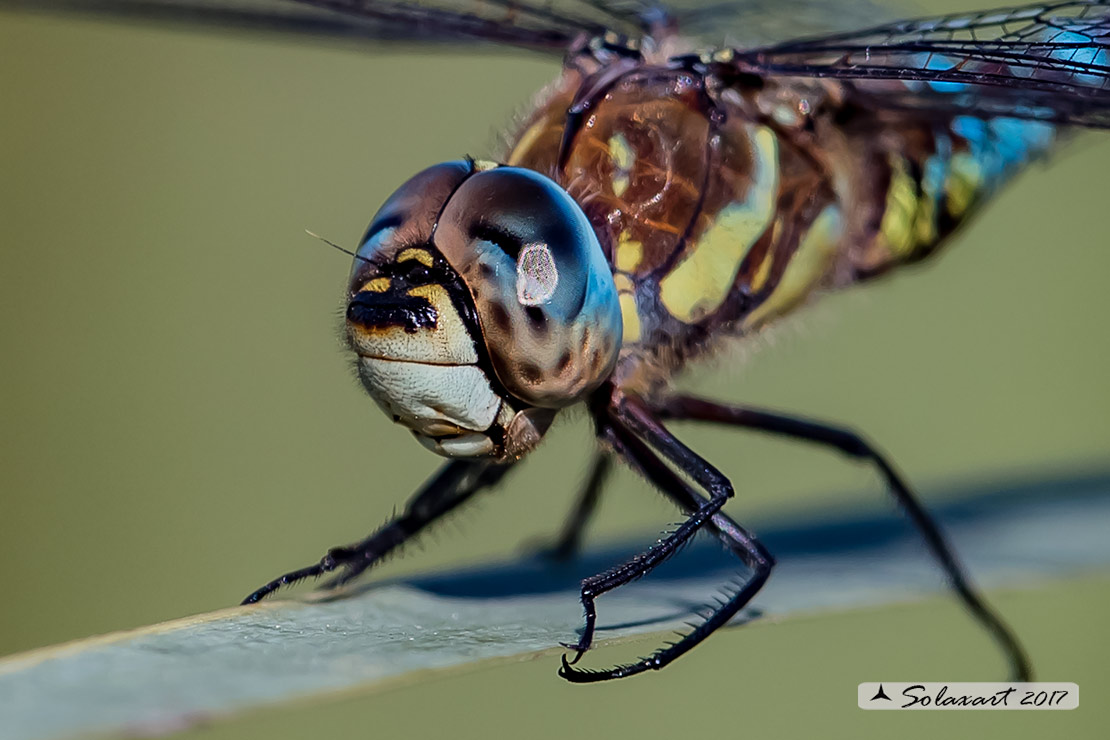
[431, 399]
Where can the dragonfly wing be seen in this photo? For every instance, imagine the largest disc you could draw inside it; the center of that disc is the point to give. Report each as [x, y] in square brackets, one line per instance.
[747, 23]
[540, 25]
[1047, 62]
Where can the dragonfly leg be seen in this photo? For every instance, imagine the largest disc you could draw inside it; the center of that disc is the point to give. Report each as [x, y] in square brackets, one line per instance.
[453, 484]
[569, 541]
[856, 446]
[635, 433]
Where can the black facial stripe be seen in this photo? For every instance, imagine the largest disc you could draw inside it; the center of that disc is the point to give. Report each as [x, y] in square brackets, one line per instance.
[381, 311]
[509, 243]
[414, 272]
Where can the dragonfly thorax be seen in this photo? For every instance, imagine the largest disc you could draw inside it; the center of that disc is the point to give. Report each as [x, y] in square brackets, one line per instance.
[479, 304]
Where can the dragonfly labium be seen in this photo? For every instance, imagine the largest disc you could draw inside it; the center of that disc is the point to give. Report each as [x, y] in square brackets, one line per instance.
[666, 195]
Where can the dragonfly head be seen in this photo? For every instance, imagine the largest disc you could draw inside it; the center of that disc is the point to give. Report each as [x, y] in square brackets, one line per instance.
[480, 304]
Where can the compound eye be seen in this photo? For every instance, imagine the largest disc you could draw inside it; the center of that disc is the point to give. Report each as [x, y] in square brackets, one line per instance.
[541, 286]
[407, 218]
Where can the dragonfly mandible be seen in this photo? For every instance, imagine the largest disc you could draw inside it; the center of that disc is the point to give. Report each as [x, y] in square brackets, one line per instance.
[663, 198]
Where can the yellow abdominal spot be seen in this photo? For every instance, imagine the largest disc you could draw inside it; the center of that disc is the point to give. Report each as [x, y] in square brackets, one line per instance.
[964, 182]
[629, 253]
[897, 227]
[925, 225]
[420, 255]
[376, 285]
[700, 283]
[805, 270]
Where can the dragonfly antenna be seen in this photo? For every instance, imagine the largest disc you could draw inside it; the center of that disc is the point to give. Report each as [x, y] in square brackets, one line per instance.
[333, 245]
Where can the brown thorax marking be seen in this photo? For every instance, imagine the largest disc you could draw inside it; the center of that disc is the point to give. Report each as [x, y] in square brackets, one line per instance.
[658, 151]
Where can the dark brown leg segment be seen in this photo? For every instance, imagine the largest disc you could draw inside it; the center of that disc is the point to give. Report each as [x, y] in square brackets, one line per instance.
[637, 435]
[453, 484]
[854, 445]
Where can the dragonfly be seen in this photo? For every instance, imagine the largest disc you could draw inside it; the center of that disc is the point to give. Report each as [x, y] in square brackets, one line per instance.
[668, 196]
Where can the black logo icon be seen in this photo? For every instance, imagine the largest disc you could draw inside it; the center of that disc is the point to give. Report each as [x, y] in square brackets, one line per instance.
[881, 694]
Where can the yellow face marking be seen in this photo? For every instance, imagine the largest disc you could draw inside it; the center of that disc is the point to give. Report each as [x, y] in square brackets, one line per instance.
[624, 283]
[446, 343]
[435, 294]
[897, 227]
[965, 181]
[623, 157]
[483, 165]
[450, 331]
[806, 268]
[629, 253]
[420, 255]
[698, 285]
[375, 285]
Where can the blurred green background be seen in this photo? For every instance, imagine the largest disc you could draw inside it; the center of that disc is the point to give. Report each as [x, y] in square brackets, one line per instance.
[179, 422]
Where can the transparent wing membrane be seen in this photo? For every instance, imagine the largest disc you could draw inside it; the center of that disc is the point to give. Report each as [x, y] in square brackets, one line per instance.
[1045, 62]
[552, 26]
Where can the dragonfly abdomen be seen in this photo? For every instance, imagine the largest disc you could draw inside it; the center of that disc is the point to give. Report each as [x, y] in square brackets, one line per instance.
[936, 178]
